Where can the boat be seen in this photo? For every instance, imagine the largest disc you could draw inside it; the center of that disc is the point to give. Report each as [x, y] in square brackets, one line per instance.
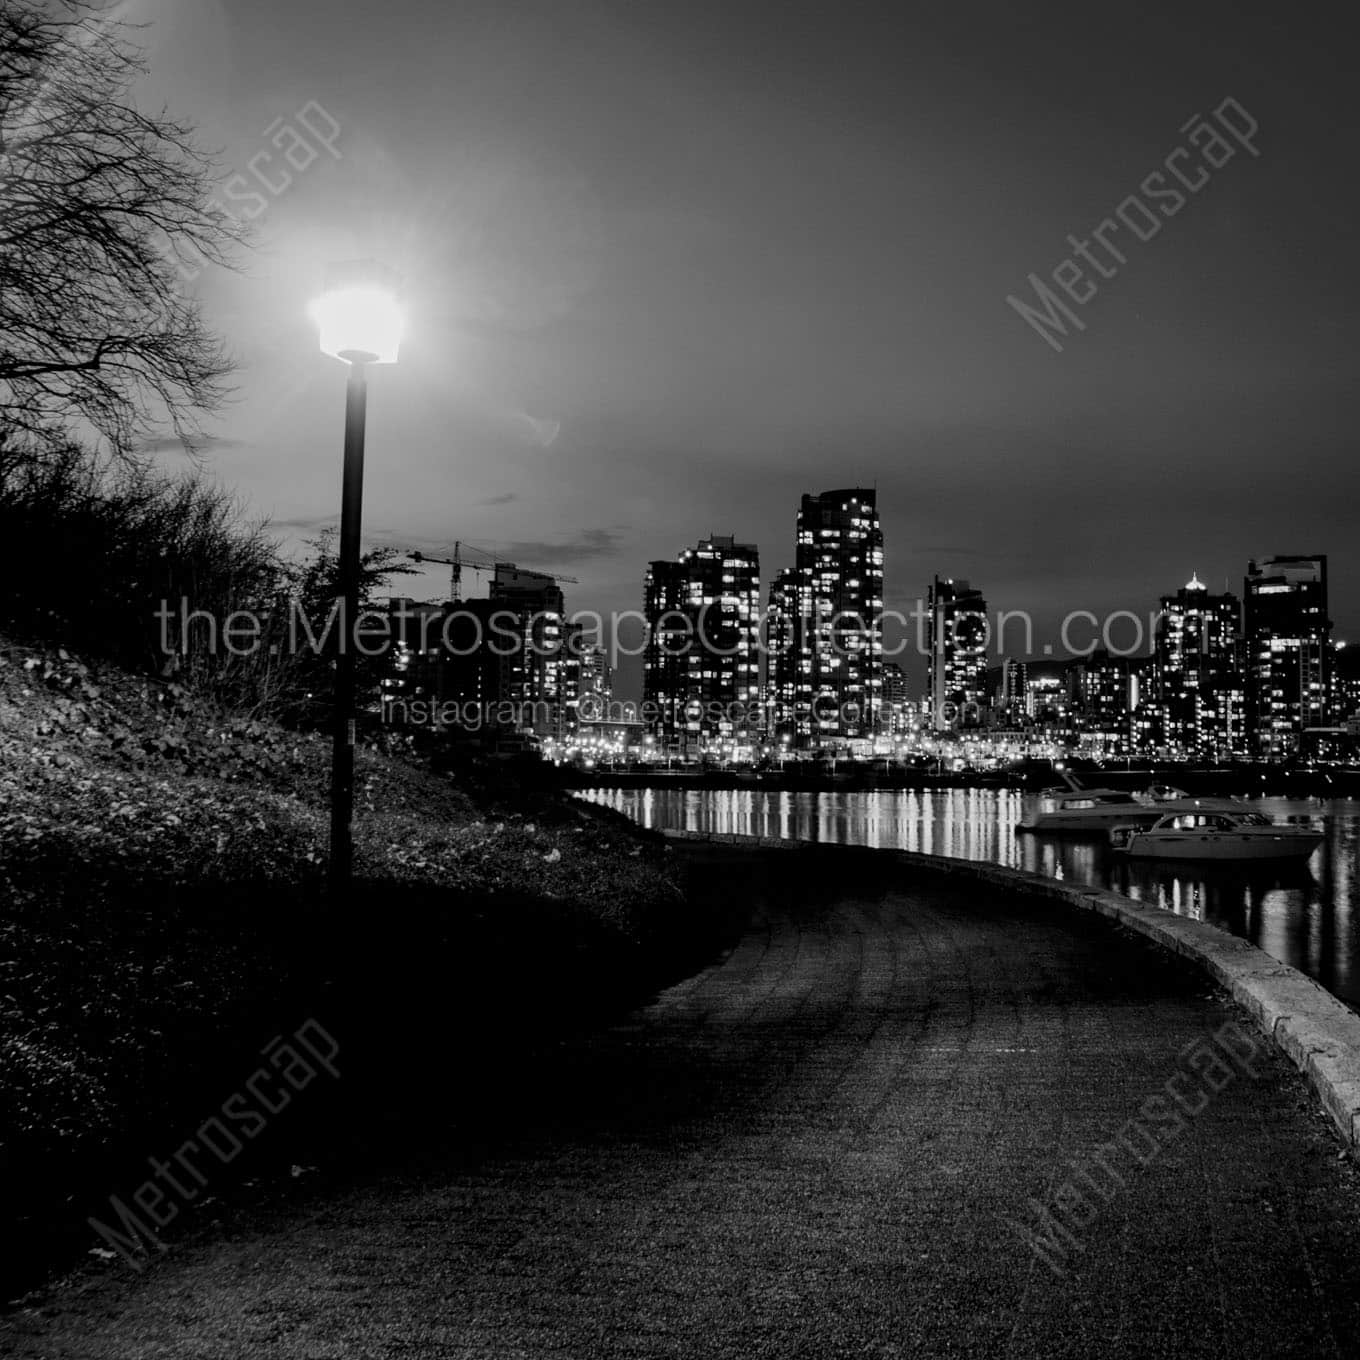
[1073, 810]
[1216, 836]
[1171, 799]
[1093, 811]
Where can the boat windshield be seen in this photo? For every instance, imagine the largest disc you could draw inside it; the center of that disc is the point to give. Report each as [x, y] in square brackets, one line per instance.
[1202, 821]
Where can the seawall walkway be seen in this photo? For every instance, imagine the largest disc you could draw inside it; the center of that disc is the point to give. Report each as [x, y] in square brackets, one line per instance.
[903, 1116]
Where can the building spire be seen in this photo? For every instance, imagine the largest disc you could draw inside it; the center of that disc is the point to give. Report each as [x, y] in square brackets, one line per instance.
[1194, 583]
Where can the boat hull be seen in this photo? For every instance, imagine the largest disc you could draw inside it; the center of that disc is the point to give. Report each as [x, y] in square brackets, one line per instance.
[1088, 823]
[1227, 847]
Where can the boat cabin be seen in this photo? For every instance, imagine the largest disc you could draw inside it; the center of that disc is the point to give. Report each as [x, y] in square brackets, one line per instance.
[1094, 798]
[1212, 821]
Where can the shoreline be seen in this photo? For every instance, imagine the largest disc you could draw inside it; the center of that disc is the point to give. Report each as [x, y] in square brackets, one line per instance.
[1264, 781]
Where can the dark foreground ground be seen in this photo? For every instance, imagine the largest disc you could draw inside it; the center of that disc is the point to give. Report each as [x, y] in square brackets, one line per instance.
[826, 1144]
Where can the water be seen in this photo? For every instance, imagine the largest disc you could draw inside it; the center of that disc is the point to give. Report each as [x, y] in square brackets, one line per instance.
[1306, 915]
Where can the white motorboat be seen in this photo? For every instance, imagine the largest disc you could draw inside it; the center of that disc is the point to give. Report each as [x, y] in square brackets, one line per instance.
[1093, 811]
[1073, 810]
[1171, 799]
[1215, 835]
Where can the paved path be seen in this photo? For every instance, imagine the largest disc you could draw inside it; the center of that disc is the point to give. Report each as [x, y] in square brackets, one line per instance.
[826, 1145]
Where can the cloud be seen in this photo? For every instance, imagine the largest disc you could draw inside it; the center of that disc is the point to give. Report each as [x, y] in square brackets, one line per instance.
[584, 547]
[174, 444]
[306, 524]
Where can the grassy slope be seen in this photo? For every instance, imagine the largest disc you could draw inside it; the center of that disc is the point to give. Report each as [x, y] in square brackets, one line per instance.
[160, 875]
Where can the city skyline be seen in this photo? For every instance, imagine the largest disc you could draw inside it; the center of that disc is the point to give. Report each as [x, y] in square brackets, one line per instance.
[622, 339]
[1210, 676]
[1140, 615]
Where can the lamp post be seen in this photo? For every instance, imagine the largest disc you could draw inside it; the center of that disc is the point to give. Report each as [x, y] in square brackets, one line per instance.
[360, 322]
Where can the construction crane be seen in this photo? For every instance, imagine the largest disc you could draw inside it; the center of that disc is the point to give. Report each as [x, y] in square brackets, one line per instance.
[487, 562]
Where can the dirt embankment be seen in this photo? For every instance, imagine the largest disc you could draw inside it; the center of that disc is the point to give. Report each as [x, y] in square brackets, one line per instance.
[162, 909]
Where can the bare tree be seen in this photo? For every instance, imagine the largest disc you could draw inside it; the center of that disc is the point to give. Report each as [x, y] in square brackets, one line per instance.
[101, 206]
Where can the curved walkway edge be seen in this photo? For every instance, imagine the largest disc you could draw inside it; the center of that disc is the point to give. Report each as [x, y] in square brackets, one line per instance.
[1317, 1033]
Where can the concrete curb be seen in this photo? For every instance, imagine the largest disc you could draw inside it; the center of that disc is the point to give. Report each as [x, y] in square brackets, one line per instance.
[1316, 1032]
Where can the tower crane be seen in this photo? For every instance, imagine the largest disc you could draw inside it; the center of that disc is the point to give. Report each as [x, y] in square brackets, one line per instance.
[482, 562]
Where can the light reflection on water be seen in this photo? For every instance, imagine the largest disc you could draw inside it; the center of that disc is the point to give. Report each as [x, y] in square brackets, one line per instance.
[1301, 914]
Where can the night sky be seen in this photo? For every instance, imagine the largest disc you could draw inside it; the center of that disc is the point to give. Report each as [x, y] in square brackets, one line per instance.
[673, 265]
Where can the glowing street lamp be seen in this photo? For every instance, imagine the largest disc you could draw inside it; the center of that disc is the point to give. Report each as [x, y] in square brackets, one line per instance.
[360, 314]
[360, 319]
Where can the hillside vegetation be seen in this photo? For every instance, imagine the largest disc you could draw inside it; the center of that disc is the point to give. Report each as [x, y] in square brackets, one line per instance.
[161, 870]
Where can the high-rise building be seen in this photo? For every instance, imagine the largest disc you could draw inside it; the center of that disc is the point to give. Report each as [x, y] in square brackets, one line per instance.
[584, 673]
[571, 679]
[664, 664]
[1046, 695]
[786, 660]
[491, 666]
[956, 639]
[597, 675]
[1287, 645]
[723, 583]
[1103, 692]
[1198, 689]
[705, 607]
[1012, 687]
[896, 701]
[529, 605]
[414, 674]
[481, 673]
[838, 694]
[473, 674]
[1345, 701]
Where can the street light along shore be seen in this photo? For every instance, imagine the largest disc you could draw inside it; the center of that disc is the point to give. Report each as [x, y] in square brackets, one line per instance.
[361, 322]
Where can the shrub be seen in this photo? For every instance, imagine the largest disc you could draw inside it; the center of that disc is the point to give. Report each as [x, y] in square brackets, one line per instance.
[142, 568]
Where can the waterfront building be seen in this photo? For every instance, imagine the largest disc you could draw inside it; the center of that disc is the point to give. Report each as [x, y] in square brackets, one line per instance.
[493, 667]
[1011, 687]
[838, 631]
[664, 664]
[957, 634]
[1008, 687]
[1345, 669]
[1199, 689]
[1146, 721]
[723, 585]
[597, 675]
[471, 675]
[413, 673]
[528, 615]
[787, 663]
[701, 668]
[1103, 693]
[573, 679]
[898, 718]
[1288, 653]
[1046, 701]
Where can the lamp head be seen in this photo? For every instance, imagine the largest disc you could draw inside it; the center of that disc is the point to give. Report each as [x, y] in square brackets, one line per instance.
[359, 314]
